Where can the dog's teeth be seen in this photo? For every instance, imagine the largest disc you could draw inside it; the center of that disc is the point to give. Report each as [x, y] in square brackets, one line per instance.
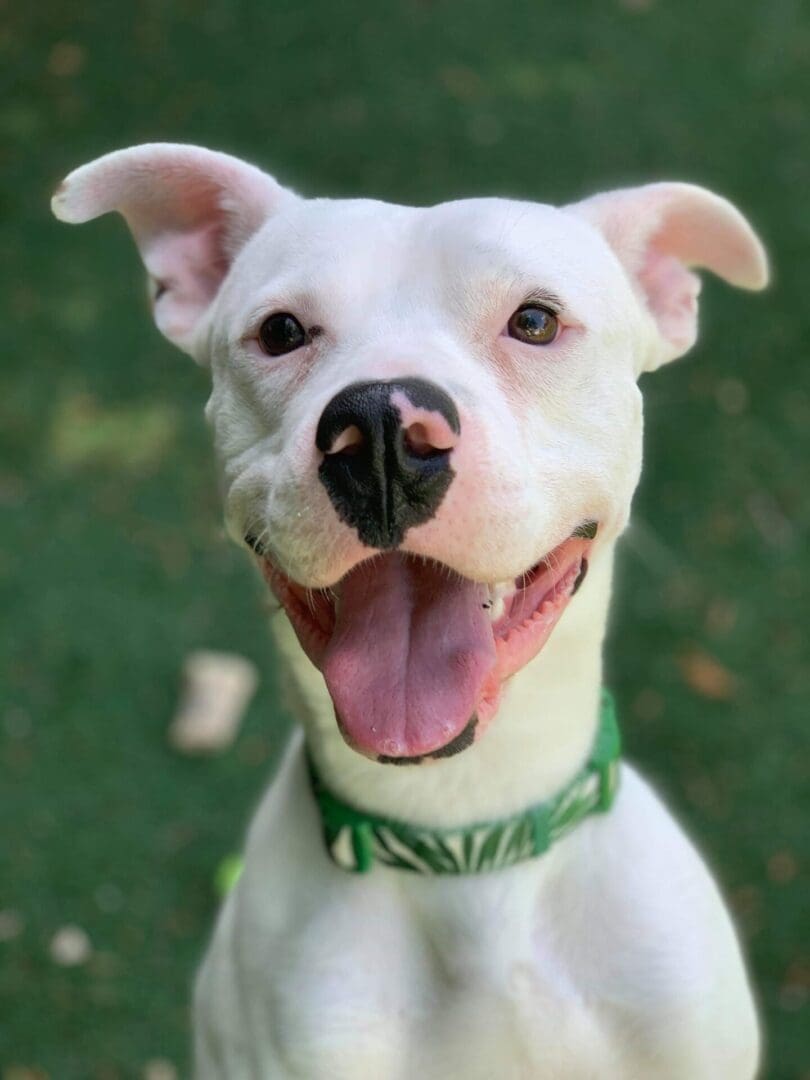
[496, 601]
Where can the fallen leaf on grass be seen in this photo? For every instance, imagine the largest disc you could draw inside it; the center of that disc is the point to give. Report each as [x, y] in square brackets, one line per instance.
[707, 676]
[11, 925]
[782, 867]
[159, 1069]
[134, 437]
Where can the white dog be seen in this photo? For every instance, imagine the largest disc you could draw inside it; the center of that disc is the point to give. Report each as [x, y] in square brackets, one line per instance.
[429, 427]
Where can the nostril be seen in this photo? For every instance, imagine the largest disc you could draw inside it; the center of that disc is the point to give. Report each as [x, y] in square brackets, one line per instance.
[385, 456]
[418, 442]
[348, 442]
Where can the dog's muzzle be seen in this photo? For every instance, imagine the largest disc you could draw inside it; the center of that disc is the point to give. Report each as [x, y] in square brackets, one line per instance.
[387, 448]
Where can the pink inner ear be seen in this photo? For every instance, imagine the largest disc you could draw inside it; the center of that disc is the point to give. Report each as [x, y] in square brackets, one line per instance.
[671, 292]
[190, 212]
[188, 268]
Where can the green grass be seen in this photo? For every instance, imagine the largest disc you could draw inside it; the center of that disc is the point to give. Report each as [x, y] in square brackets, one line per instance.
[113, 561]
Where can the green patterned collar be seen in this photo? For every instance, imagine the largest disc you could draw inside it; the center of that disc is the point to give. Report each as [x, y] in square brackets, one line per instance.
[355, 839]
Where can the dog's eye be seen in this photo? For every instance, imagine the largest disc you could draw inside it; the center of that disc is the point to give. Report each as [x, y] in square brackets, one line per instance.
[533, 324]
[281, 333]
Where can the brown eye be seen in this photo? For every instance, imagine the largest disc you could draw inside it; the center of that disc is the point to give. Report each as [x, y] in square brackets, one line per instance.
[281, 333]
[533, 324]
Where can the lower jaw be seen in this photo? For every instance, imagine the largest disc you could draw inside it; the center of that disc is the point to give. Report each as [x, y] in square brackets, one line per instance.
[517, 639]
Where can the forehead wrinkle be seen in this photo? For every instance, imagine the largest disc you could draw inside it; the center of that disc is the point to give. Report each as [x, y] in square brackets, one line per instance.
[499, 281]
[483, 295]
[508, 226]
[284, 296]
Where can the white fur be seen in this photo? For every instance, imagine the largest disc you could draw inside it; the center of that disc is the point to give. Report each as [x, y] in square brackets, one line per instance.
[612, 955]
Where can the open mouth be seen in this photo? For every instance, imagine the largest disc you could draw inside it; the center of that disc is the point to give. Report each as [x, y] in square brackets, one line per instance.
[414, 655]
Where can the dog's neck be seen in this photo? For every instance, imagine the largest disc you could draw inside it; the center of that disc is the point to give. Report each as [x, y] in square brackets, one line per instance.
[537, 741]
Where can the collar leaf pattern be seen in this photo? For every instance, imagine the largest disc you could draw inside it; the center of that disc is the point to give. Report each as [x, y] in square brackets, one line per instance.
[355, 839]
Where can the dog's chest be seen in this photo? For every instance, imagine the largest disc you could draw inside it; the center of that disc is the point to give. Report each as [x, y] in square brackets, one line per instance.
[505, 998]
[452, 978]
[586, 963]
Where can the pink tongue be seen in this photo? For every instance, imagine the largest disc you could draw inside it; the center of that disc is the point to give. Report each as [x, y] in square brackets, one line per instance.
[410, 653]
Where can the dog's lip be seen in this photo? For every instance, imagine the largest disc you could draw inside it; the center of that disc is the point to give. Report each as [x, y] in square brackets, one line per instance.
[540, 588]
[545, 583]
[527, 613]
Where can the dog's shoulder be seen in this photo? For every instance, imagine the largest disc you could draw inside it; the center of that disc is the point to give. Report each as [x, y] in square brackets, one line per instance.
[645, 890]
[646, 930]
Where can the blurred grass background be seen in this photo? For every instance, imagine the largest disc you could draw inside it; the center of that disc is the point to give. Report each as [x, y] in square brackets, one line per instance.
[114, 564]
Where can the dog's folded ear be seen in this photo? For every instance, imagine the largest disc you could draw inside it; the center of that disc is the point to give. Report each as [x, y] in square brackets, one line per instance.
[190, 211]
[658, 231]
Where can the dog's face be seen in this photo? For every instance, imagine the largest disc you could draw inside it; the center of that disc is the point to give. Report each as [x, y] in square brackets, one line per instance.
[426, 418]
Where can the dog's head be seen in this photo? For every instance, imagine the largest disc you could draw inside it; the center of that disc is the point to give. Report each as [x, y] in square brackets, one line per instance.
[427, 419]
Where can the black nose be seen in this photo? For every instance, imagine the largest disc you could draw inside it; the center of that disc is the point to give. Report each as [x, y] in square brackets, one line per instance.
[386, 448]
